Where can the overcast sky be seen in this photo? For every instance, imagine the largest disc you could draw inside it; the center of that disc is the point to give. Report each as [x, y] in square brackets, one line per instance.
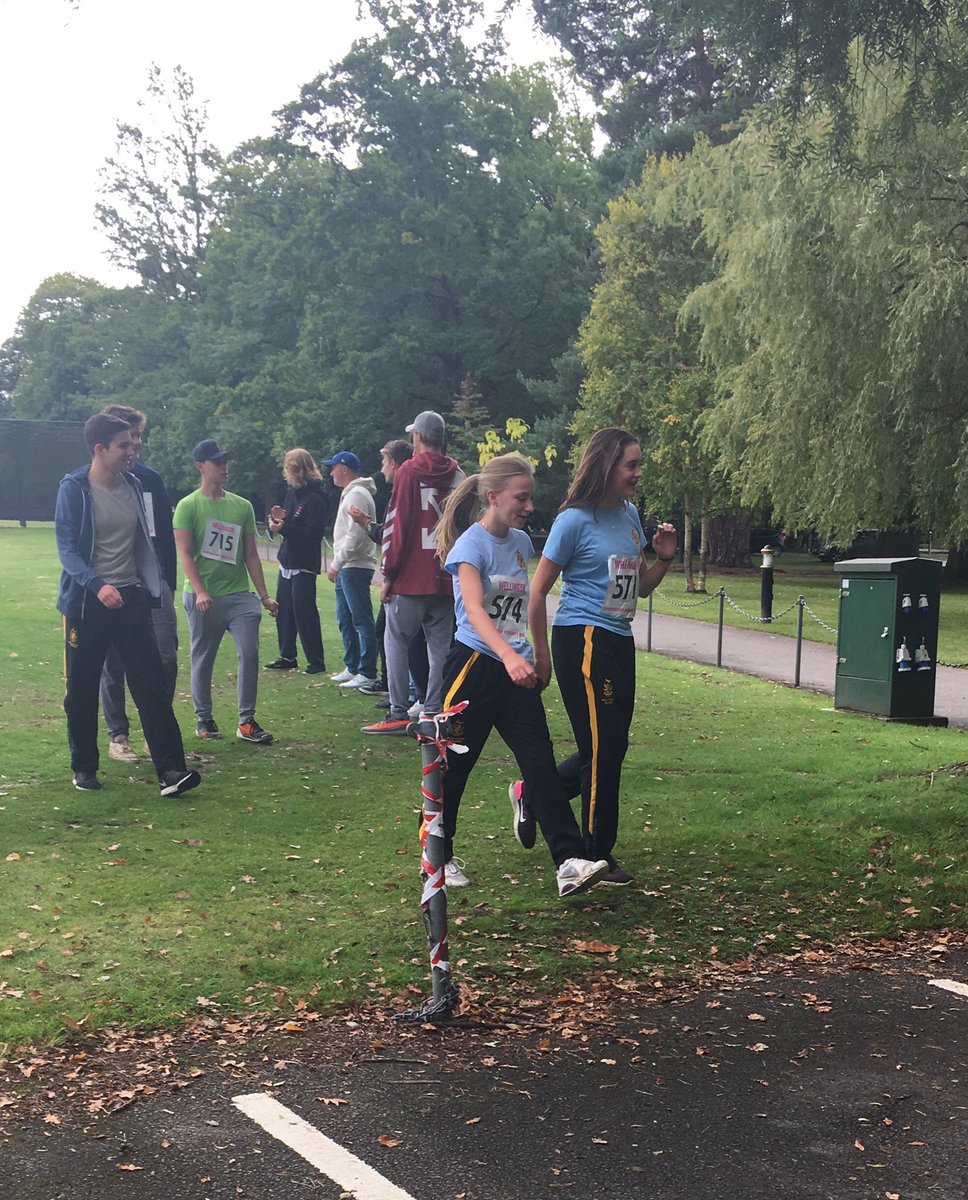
[70, 71]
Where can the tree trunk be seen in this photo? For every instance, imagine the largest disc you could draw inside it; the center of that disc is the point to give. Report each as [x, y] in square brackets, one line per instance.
[703, 545]
[730, 540]
[956, 568]
[687, 546]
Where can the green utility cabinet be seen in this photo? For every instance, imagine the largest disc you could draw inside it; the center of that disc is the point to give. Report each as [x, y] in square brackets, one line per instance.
[887, 642]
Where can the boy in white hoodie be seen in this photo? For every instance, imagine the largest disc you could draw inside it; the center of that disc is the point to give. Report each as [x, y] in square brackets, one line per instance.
[354, 559]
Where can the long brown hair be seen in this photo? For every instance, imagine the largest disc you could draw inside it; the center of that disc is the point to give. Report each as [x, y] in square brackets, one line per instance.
[299, 467]
[603, 452]
[466, 503]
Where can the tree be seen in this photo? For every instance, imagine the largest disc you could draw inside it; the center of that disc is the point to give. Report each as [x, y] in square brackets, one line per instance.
[835, 323]
[643, 364]
[54, 364]
[650, 58]
[159, 199]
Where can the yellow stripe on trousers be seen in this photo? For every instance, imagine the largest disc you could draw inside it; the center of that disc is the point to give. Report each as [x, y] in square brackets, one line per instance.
[586, 670]
[462, 675]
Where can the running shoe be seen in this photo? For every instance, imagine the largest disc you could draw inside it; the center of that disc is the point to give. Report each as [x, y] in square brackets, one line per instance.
[315, 669]
[454, 875]
[523, 823]
[252, 731]
[176, 783]
[282, 664]
[617, 877]
[208, 730]
[87, 781]
[579, 874]
[119, 748]
[342, 676]
[390, 727]
[356, 681]
[377, 688]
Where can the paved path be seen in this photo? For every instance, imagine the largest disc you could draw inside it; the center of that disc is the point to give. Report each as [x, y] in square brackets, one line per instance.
[767, 655]
[773, 656]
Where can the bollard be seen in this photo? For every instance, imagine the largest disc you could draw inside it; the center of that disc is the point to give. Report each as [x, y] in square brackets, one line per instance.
[648, 626]
[796, 672]
[766, 585]
[435, 736]
[719, 639]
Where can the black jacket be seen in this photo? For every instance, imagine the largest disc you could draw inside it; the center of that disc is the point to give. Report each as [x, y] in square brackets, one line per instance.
[302, 528]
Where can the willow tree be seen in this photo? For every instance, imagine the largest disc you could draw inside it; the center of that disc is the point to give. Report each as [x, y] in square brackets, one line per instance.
[643, 365]
[836, 323]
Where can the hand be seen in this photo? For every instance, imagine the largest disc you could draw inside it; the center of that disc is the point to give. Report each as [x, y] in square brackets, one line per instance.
[359, 516]
[665, 540]
[270, 606]
[274, 525]
[277, 513]
[203, 602]
[331, 573]
[542, 668]
[385, 592]
[110, 597]
[520, 670]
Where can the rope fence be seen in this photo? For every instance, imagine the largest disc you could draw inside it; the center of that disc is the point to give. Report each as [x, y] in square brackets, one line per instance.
[723, 598]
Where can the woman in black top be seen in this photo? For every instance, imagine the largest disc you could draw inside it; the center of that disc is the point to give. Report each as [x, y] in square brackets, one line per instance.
[300, 520]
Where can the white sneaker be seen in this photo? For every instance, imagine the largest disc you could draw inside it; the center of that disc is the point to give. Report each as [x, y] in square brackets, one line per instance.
[356, 681]
[454, 876]
[119, 749]
[579, 874]
[342, 676]
[415, 709]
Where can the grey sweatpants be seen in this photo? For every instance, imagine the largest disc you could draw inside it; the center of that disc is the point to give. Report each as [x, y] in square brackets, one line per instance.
[239, 616]
[405, 616]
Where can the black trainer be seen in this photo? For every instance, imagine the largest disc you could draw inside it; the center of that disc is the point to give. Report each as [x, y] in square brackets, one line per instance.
[252, 731]
[315, 669]
[378, 688]
[282, 664]
[208, 730]
[87, 781]
[176, 783]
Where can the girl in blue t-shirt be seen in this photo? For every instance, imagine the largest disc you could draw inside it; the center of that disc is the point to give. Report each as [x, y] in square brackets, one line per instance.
[482, 543]
[597, 547]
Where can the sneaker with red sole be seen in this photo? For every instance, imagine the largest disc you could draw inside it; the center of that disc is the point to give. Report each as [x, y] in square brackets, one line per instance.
[391, 727]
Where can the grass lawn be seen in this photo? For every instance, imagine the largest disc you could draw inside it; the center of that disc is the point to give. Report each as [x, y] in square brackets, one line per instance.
[753, 819]
[797, 575]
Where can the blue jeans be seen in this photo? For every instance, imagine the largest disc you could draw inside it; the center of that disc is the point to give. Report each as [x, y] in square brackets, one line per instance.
[354, 615]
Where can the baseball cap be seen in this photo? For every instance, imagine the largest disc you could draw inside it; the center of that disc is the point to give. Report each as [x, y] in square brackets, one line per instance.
[345, 458]
[208, 449]
[428, 424]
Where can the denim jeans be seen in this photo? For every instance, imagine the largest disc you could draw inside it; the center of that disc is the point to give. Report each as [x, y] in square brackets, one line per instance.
[354, 615]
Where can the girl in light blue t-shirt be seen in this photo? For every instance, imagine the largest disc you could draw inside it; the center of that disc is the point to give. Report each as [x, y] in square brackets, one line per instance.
[597, 547]
[482, 543]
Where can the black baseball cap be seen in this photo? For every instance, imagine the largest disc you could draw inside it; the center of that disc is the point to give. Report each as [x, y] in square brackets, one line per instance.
[207, 450]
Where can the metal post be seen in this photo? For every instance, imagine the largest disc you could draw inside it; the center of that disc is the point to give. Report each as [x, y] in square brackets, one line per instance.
[796, 669]
[435, 735]
[766, 585]
[648, 625]
[719, 640]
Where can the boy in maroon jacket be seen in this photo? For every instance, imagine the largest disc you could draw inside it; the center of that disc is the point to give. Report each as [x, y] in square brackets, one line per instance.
[417, 592]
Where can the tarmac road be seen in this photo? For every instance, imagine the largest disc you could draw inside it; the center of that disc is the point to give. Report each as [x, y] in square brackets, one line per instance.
[823, 1083]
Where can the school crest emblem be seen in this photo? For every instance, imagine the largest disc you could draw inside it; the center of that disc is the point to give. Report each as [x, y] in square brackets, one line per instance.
[72, 638]
[521, 563]
[608, 692]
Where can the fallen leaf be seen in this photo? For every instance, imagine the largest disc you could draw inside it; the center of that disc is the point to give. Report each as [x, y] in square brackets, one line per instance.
[473, 1121]
[127, 1167]
[385, 1140]
[594, 946]
[330, 1100]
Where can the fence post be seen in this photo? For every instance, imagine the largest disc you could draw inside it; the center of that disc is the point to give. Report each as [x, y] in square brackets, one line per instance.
[766, 585]
[648, 626]
[796, 669]
[719, 641]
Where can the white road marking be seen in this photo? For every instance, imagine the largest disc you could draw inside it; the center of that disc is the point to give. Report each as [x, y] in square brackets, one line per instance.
[345, 1169]
[951, 985]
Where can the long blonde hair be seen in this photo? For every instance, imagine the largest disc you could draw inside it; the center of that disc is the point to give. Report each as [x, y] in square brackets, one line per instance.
[299, 467]
[467, 502]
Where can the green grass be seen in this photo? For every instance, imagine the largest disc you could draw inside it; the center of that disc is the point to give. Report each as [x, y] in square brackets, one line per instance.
[797, 575]
[753, 818]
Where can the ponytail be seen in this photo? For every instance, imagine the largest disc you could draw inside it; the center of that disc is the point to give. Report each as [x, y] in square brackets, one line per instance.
[461, 509]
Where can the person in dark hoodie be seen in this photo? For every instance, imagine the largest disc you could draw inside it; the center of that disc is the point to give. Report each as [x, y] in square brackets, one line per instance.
[110, 580]
[300, 520]
[417, 591]
[163, 622]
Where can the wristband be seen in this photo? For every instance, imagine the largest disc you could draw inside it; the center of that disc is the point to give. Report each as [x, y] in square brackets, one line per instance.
[671, 558]
[264, 598]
